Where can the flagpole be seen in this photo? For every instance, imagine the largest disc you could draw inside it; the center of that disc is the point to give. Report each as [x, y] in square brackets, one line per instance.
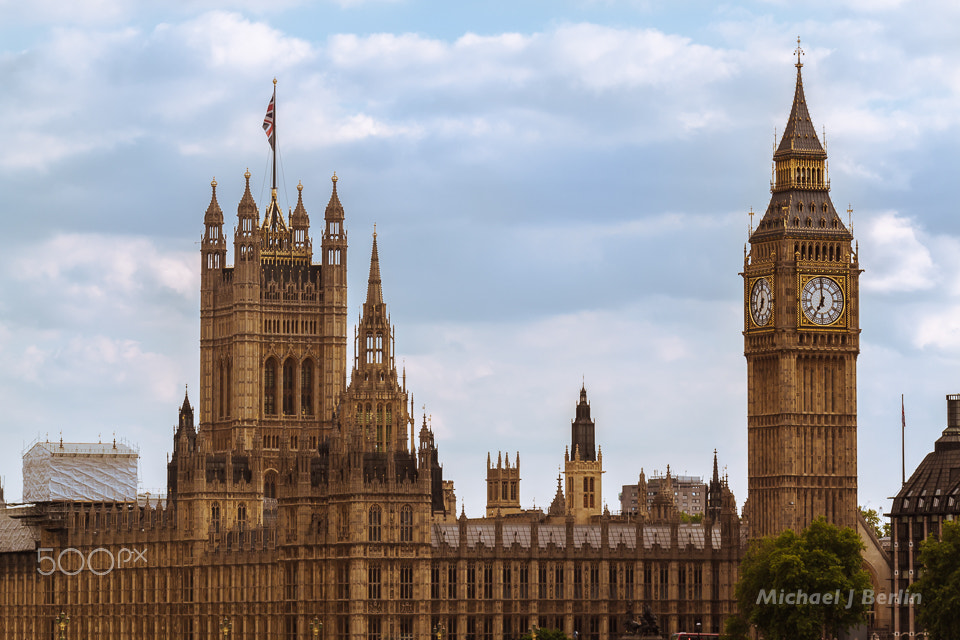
[903, 442]
[274, 188]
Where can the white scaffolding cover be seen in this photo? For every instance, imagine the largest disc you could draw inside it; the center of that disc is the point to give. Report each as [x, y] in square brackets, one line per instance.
[94, 472]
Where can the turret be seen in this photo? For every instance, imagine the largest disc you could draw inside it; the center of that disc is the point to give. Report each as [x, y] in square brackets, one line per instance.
[246, 250]
[214, 246]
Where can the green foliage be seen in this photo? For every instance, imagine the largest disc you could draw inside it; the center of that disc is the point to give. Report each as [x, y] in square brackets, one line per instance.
[872, 518]
[696, 518]
[736, 628]
[939, 583]
[820, 564]
[545, 634]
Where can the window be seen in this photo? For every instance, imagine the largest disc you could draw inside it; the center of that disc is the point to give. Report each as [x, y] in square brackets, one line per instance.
[306, 388]
[435, 581]
[523, 578]
[406, 524]
[379, 348]
[215, 517]
[369, 348]
[373, 628]
[406, 582]
[288, 387]
[488, 581]
[373, 582]
[241, 517]
[452, 582]
[270, 388]
[373, 521]
[471, 581]
[343, 581]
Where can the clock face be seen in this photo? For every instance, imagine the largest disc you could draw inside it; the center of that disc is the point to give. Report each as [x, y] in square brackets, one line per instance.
[822, 300]
[761, 302]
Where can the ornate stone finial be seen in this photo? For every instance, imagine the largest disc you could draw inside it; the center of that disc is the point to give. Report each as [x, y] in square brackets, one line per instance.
[275, 80]
[799, 52]
[213, 183]
[300, 185]
[374, 230]
[246, 174]
[750, 213]
[334, 178]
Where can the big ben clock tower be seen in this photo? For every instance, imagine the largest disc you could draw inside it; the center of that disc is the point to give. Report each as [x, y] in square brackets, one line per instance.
[801, 340]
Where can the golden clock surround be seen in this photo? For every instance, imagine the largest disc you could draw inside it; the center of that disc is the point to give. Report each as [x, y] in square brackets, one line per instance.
[840, 278]
[749, 321]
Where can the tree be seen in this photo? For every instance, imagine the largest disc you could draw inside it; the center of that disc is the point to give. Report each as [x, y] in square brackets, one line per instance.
[798, 587]
[938, 586]
[736, 628]
[872, 518]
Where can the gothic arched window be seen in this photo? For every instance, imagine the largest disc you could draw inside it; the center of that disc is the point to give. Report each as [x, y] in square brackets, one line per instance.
[306, 387]
[270, 388]
[288, 369]
[406, 524]
[374, 519]
[215, 517]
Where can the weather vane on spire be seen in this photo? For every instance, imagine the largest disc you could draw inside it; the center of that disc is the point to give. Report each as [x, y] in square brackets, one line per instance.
[799, 52]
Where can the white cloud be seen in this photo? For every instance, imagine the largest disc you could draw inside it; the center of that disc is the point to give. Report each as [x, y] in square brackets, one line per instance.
[109, 266]
[227, 40]
[898, 257]
[940, 328]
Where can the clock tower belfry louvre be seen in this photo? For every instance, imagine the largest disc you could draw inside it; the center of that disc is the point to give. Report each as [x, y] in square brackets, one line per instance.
[801, 340]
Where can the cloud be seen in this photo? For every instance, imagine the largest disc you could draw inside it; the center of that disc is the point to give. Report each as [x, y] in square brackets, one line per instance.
[107, 266]
[227, 41]
[899, 260]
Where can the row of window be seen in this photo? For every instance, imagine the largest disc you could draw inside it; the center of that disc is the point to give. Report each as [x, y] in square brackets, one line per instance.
[294, 326]
[216, 522]
[375, 524]
[280, 387]
[508, 490]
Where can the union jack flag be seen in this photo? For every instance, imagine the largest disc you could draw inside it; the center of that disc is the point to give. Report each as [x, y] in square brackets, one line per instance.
[268, 122]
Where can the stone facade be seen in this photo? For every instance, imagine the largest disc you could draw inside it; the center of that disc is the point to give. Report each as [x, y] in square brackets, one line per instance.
[801, 340]
[298, 498]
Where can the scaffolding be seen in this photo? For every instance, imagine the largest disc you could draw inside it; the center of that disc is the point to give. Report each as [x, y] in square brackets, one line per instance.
[80, 471]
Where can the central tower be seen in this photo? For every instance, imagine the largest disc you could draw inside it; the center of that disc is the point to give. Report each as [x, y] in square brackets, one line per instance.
[801, 340]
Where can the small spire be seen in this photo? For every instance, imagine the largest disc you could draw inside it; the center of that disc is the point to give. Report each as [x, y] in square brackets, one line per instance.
[334, 209]
[798, 52]
[374, 285]
[299, 217]
[247, 206]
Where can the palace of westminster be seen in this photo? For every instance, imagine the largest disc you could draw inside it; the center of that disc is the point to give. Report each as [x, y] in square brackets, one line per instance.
[305, 503]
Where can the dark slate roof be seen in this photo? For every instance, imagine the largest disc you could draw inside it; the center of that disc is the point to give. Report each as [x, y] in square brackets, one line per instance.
[934, 488]
[799, 136]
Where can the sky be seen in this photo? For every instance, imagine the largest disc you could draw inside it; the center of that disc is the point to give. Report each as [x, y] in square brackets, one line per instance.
[561, 191]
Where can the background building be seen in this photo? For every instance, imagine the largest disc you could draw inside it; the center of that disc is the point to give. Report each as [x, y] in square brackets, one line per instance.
[689, 493]
[929, 497]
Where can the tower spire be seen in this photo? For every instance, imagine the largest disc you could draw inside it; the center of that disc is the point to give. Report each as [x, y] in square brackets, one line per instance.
[374, 285]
